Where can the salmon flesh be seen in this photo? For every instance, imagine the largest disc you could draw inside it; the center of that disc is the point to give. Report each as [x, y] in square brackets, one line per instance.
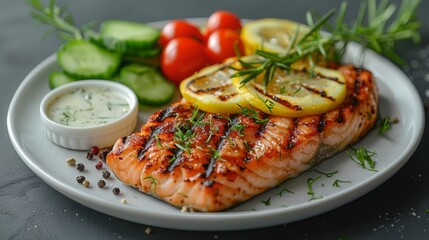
[212, 162]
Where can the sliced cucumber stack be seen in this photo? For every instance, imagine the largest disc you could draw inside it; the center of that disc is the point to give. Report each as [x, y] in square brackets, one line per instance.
[128, 37]
[85, 60]
[121, 51]
[149, 85]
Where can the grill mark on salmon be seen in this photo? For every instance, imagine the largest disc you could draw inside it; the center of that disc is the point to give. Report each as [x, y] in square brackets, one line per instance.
[226, 165]
[278, 100]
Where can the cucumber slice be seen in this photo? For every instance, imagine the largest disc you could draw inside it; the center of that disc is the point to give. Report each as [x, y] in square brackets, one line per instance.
[125, 36]
[149, 85]
[58, 78]
[85, 60]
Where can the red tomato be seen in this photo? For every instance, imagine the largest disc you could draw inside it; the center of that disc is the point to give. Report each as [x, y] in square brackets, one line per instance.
[182, 57]
[222, 20]
[223, 44]
[179, 28]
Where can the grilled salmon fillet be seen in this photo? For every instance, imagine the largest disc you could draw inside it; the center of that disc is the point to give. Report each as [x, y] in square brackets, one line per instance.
[211, 162]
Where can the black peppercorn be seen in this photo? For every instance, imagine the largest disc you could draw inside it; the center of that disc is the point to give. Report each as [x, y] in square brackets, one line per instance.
[80, 167]
[80, 179]
[116, 191]
[102, 156]
[101, 184]
[106, 174]
[89, 155]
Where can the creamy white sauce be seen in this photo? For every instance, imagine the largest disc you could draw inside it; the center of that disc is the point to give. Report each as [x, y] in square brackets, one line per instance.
[89, 106]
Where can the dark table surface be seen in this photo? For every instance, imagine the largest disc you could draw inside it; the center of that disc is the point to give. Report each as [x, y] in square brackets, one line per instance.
[30, 209]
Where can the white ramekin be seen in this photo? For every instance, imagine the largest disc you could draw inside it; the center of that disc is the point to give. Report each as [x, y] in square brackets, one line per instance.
[83, 138]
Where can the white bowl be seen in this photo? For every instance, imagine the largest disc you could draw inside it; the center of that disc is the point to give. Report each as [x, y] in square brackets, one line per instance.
[84, 137]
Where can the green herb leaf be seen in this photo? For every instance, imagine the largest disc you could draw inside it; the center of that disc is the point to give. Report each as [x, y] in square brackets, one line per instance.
[153, 182]
[58, 19]
[310, 182]
[267, 202]
[386, 124]
[252, 113]
[374, 33]
[326, 174]
[363, 157]
[283, 190]
[337, 183]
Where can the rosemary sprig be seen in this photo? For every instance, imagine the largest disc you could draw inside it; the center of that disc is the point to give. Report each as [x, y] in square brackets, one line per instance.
[58, 20]
[373, 33]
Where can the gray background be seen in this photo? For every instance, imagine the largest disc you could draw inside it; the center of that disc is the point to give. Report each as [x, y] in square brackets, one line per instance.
[30, 209]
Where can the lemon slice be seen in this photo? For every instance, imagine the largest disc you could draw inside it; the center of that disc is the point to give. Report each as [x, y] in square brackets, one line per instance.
[270, 34]
[295, 93]
[212, 90]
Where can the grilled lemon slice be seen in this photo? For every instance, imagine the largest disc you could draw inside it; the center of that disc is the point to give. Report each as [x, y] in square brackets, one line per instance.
[212, 90]
[270, 34]
[295, 93]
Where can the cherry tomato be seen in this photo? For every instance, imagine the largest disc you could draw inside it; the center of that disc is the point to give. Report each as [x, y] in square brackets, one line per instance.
[224, 43]
[222, 20]
[182, 57]
[179, 28]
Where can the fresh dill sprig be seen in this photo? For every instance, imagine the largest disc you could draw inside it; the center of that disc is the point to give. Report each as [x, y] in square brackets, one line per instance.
[310, 182]
[252, 113]
[183, 138]
[337, 183]
[153, 182]
[283, 190]
[267, 202]
[363, 157]
[372, 32]
[386, 124]
[239, 127]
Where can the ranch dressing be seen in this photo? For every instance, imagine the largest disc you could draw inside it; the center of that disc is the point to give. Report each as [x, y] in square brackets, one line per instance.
[88, 107]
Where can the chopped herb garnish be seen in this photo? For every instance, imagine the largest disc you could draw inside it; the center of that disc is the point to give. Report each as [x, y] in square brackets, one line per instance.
[68, 117]
[310, 182]
[267, 202]
[297, 91]
[327, 174]
[283, 191]
[246, 144]
[239, 127]
[252, 113]
[363, 157]
[337, 183]
[183, 138]
[268, 103]
[153, 182]
[214, 153]
[172, 159]
[386, 124]
[158, 142]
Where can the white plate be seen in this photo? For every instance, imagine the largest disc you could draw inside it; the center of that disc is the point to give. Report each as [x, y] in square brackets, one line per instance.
[398, 98]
